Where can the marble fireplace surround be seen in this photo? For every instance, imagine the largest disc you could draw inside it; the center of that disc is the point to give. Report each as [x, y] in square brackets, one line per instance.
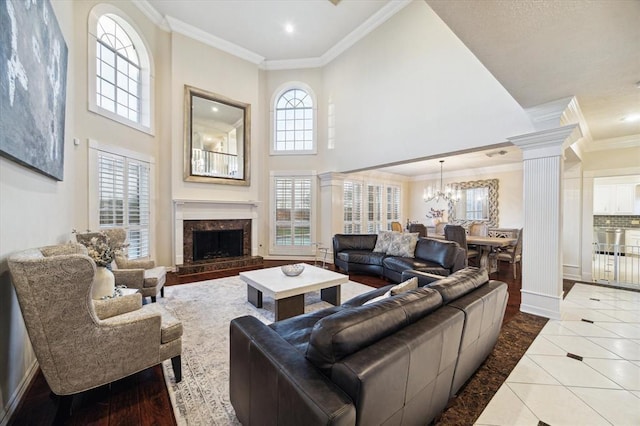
[187, 210]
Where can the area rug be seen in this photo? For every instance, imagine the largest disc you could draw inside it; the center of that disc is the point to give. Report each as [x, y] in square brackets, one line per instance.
[205, 309]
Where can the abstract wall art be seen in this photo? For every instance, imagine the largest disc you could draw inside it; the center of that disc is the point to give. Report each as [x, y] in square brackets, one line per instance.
[33, 78]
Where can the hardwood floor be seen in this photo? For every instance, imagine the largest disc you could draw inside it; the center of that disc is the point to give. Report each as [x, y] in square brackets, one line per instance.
[142, 399]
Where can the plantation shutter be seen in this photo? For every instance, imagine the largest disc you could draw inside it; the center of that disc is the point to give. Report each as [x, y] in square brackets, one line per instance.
[374, 208]
[393, 205]
[124, 199]
[352, 207]
[111, 190]
[293, 211]
[138, 208]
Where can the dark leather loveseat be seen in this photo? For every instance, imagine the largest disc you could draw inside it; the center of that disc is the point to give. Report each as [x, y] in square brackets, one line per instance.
[354, 253]
[396, 361]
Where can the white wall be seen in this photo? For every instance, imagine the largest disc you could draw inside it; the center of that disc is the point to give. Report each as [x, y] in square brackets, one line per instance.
[34, 211]
[510, 202]
[411, 89]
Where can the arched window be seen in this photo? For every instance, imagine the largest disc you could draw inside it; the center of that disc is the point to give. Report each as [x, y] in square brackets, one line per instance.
[120, 78]
[294, 117]
[117, 70]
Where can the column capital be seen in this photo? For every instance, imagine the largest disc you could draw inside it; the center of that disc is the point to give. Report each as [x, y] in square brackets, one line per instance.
[331, 178]
[547, 143]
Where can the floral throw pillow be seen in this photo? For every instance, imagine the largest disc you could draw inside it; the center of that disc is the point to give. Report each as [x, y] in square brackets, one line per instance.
[403, 244]
[383, 241]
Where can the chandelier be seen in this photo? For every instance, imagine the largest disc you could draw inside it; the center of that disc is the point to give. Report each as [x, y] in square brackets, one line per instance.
[448, 194]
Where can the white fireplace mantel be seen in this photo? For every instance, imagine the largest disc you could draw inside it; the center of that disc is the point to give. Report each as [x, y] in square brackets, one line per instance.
[211, 210]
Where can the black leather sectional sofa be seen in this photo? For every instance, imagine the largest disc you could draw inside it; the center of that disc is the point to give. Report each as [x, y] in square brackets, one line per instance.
[396, 361]
[354, 253]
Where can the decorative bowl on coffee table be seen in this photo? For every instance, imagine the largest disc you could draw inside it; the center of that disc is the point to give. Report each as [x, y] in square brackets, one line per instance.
[292, 270]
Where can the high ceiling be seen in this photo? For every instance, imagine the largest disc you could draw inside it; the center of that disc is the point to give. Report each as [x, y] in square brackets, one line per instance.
[540, 51]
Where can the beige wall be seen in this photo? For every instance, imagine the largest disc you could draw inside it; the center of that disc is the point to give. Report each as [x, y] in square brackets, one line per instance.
[510, 202]
[113, 134]
[34, 211]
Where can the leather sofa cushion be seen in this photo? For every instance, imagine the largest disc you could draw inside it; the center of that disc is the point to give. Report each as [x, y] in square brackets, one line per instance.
[400, 264]
[440, 252]
[297, 330]
[349, 330]
[343, 242]
[460, 283]
[361, 257]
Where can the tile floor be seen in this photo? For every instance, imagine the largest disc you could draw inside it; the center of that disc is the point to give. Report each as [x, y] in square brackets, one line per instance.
[603, 389]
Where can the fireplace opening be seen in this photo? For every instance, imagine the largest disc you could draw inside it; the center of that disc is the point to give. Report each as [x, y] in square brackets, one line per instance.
[217, 244]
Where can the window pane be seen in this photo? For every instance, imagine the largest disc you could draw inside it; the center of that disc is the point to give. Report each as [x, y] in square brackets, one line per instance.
[294, 112]
[118, 64]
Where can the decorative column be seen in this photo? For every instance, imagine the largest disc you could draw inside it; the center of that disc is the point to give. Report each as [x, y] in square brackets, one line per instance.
[543, 208]
[331, 208]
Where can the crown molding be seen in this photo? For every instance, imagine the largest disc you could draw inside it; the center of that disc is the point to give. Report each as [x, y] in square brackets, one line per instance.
[292, 64]
[470, 172]
[151, 13]
[168, 23]
[632, 141]
[374, 21]
[204, 37]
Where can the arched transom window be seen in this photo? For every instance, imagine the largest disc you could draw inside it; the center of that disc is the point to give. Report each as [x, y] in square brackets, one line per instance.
[118, 83]
[294, 121]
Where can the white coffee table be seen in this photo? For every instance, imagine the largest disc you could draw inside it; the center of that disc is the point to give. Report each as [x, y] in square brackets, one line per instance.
[288, 292]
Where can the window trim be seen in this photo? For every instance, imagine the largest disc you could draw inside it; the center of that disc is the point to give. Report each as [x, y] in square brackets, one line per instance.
[281, 90]
[291, 250]
[147, 108]
[94, 185]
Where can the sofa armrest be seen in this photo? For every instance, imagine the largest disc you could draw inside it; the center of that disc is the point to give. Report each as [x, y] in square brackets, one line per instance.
[117, 306]
[272, 383]
[131, 278]
[138, 264]
[461, 260]
[360, 299]
[424, 278]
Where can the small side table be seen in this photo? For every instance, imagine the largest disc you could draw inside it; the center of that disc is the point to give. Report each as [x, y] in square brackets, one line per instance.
[324, 251]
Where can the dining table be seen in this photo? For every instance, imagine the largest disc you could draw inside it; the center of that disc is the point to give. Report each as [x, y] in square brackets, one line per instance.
[485, 245]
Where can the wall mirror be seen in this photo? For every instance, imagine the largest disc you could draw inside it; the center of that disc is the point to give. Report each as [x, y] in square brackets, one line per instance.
[217, 138]
[478, 203]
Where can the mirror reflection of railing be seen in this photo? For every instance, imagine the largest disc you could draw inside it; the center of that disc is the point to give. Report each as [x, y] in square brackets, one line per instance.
[209, 163]
[479, 202]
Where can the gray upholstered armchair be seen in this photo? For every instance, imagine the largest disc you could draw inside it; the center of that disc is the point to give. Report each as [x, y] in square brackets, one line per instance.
[141, 274]
[79, 346]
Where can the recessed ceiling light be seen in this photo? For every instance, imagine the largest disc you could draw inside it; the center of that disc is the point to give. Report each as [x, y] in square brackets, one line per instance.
[632, 117]
[214, 109]
[289, 28]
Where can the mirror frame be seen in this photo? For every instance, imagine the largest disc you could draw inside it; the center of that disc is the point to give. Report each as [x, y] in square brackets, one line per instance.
[492, 200]
[189, 93]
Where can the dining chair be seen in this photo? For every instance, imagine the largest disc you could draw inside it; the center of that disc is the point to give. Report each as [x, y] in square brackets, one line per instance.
[396, 226]
[419, 228]
[458, 234]
[512, 254]
[479, 229]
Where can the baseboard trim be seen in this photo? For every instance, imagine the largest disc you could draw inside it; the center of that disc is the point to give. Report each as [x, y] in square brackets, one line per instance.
[15, 400]
[540, 304]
